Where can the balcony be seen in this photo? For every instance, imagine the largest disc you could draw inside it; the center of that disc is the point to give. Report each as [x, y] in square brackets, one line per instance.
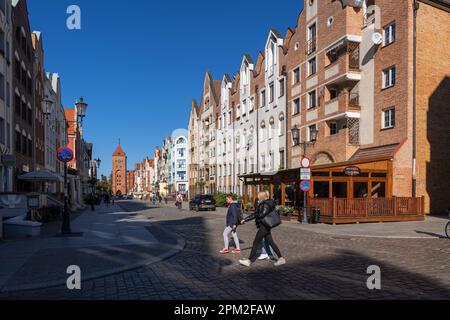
[344, 63]
[369, 19]
[311, 46]
[345, 103]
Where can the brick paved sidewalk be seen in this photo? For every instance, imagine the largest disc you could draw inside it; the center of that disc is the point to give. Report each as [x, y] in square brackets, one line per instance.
[105, 242]
[319, 266]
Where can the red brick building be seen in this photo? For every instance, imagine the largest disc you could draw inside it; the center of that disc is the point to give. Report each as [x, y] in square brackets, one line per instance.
[119, 172]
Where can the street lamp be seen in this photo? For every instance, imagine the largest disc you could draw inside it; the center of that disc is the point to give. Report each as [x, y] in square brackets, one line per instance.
[48, 107]
[81, 109]
[313, 133]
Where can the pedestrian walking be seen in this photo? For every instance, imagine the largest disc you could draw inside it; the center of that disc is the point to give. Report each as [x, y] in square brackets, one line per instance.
[232, 222]
[179, 201]
[265, 207]
[266, 251]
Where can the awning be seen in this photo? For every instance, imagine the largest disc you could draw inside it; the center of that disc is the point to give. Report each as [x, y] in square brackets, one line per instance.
[41, 176]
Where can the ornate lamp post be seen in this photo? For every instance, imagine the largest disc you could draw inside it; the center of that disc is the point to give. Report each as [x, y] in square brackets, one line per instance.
[81, 108]
[305, 144]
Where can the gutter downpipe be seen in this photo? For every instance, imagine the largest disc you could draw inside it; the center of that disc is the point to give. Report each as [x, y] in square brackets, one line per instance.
[416, 6]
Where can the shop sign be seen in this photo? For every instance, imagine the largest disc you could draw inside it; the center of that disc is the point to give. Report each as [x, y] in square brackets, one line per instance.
[352, 171]
[9, 160]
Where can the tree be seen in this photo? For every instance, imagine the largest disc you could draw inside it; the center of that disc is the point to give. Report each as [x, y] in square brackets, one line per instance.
[104, 185]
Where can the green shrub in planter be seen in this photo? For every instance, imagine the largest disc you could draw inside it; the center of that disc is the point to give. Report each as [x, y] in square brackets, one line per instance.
[221, 199]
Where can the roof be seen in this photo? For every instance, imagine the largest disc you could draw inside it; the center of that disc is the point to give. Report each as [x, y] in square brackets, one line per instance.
[70, 118]
[119, 151]
[376, 152]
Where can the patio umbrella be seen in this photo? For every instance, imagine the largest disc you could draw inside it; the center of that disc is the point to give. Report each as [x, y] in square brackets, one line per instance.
[40, 176]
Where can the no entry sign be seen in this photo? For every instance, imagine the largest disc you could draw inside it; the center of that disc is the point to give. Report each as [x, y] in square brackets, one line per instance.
[64, 154]
[305, 186]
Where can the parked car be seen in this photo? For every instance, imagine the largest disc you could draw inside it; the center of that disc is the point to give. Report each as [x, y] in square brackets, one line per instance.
[130, 197]
[202, 202]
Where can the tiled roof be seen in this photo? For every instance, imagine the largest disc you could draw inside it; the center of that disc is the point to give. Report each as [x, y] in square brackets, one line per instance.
[376, 152]
[70, 118]
[119, 151]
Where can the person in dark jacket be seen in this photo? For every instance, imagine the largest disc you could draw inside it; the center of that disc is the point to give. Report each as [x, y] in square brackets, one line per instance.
[231, 225]
[265, 206]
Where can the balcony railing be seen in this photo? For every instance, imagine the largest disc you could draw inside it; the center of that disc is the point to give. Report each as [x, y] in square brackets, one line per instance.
[311, 46]
[369, 18]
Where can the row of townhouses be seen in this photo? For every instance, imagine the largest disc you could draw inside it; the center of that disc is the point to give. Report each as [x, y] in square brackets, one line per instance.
[165, 174]
[33, 120]
[356, 86]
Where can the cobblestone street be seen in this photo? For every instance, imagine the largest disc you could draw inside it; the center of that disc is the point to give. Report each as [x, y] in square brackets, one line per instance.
[319, 266]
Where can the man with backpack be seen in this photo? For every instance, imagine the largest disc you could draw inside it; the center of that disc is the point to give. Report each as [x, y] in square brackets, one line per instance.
[233, 220]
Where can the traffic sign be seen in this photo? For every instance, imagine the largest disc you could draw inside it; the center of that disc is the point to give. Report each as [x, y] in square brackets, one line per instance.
[305, 186]
[305, 174]
[64, 154]
[306, 163]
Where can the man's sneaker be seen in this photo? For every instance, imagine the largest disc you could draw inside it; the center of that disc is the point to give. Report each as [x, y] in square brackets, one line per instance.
[237, 251]
[280, 262]
[245, 262]
[263, 257]
[224, 251]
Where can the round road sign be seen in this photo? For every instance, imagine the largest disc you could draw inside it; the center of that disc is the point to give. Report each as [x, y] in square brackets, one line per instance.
[305, 186]
[64, 154]
[306, 163]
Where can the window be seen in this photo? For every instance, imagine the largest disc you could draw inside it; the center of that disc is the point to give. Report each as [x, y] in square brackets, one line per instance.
[333, 128]
[389, 118]
[263, 163]
[2, 86]
[333, 93]
[297, 76]
[8, 94]
[312, 66]
[2, 131]
[17, 104]
[296, 107]
[389, 34]
[263, 98]
[311, 129]
[2, 39]
[24, 111]
[271, 92]
[312, 100]
[282, 87]
[389, 77]
[24, 145]
[270, 128]
[18, 142]
[282, 159]
[30, 148]
[281, 126]
[8, 136]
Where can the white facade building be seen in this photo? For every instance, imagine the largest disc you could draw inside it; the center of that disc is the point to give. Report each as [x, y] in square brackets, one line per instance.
[178, 170]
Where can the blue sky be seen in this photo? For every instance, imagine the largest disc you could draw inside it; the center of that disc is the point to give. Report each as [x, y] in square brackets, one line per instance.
[140, 66]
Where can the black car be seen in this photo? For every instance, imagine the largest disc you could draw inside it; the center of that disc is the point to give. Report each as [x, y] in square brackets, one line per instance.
[202, 202]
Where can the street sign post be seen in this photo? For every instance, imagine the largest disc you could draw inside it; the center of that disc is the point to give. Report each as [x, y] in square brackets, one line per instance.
[65, 155]
[305, 185]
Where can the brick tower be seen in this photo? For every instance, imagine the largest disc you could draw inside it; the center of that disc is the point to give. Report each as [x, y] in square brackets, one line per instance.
[119, 172]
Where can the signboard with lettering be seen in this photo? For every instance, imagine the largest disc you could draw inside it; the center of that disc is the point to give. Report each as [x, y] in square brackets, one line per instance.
[352, 171]
[305, 174]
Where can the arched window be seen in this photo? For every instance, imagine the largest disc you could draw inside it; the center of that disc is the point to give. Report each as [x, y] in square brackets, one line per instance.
[281, 125]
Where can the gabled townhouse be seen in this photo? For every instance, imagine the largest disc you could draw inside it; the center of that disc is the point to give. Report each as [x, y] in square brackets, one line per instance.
[194, 149]
[226, 140]
[178, 167]
[272, 111]
[23, 88]
[208, 125]
[6, 89]
[246, 119]
[39, 121]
